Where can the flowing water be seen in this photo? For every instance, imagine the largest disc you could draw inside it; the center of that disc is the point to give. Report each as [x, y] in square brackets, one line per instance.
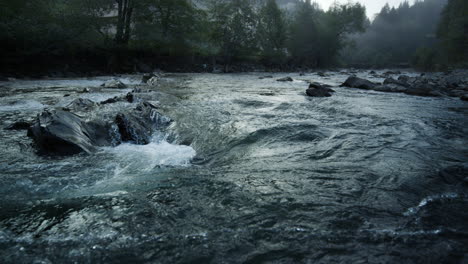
[251, 171]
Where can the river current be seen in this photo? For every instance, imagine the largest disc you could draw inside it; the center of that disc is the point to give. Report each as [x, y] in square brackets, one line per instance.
[251, 171]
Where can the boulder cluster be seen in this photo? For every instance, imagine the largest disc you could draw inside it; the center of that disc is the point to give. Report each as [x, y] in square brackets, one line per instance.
[76, 128]
[453, 84]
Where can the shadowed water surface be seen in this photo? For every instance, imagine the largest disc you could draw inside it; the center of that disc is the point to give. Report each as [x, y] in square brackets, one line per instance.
[252, 171]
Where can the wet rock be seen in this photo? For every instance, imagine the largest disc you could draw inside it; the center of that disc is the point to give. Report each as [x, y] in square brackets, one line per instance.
[85, 90]
[285, 79]
[322, 74]
[319, 90]
[81, 105]
[114, 83]
[392, 72]
[137, 126]
[153, 81]
[145, 78]
[392, 88]
[265, 77]
[422, 88]
[372, 72]
[64, 133]
[19, 125]
[464, 97]
[111, 100]
[397, 82]
[356, 82]
[130, 97]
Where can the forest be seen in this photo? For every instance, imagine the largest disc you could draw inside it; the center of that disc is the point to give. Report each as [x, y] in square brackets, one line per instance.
[195, 35]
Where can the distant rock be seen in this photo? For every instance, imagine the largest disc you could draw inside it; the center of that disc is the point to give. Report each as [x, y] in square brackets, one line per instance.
[265, 77]
[285, 79]
[114, 83]
[356, 82]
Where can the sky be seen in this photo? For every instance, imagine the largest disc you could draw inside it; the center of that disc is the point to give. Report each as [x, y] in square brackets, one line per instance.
[372, 6]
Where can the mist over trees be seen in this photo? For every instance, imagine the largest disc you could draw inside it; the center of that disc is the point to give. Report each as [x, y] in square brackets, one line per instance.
[413, 34]
[118, 35]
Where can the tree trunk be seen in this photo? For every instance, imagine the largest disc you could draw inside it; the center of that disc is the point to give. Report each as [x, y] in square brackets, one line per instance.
[124, 19]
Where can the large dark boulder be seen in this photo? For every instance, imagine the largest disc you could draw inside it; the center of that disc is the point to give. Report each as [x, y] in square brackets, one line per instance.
[137, 126]
[356, 82]
[64, 133]
[423, 88]
[319, 90]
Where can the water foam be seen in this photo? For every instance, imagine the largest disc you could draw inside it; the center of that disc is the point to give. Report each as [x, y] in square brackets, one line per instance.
[23, 105]
[147, 157]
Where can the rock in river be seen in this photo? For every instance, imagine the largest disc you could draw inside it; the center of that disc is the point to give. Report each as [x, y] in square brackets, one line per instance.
[138, 125]
[64, 133]
[114, 83]
[319, 90]
[356, 82]
[285, 79]
[81, 105]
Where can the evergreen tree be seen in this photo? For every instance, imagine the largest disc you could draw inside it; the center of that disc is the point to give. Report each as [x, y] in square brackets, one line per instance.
[272, 33]
[453, 31]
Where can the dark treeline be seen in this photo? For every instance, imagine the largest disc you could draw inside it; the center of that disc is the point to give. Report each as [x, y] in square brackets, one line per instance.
[139, 35]
[430, 35]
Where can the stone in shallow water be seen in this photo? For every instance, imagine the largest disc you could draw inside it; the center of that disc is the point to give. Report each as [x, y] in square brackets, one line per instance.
[114, 83]
[285, 79]
[356, 82]
[64, 133]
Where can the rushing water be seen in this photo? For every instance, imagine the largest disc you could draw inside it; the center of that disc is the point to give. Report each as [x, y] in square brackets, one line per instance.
[252, 171]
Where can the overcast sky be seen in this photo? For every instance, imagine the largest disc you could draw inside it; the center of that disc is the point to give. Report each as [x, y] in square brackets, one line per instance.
[372, 6]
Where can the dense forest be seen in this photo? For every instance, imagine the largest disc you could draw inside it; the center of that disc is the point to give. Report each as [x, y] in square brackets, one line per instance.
[131, 35]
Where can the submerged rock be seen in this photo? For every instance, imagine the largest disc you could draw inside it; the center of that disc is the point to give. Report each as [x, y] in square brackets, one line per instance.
[19, 125]
[64, 133]
[356, 82]
[114, 83]
[285, 79]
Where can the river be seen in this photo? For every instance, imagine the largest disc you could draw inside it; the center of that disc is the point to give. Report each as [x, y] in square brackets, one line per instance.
[251, 171]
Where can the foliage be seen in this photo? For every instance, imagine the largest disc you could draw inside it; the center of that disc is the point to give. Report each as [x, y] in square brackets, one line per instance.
[453, 31]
